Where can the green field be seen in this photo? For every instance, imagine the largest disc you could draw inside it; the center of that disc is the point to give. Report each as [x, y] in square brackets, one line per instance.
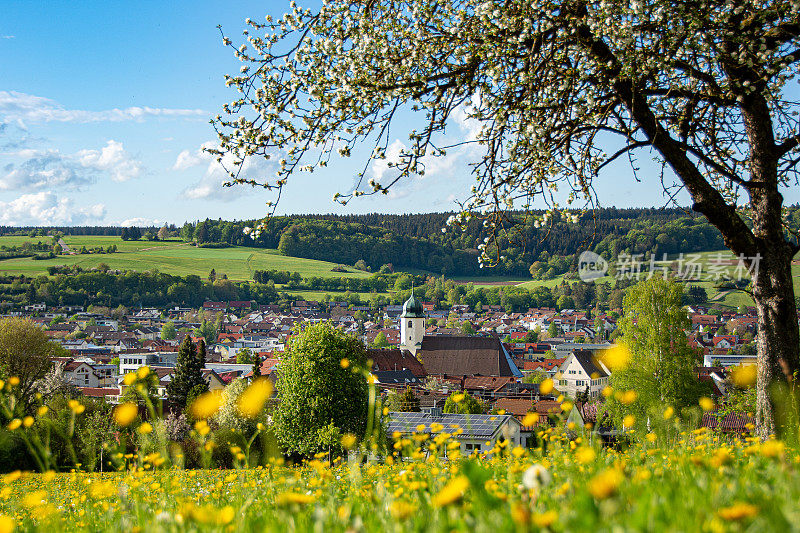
[171, 257]
[238, 263]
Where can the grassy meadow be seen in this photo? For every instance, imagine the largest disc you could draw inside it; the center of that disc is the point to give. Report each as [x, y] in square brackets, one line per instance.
[170, 257]
[691, 481]
[238, 263]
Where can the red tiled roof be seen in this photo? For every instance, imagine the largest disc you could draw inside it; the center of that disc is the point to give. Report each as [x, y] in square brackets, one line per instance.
[730, 422]
[94, 392]
[486, 382]
[515, 406]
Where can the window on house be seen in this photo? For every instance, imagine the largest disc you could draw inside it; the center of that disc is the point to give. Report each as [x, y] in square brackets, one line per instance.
[410, 324]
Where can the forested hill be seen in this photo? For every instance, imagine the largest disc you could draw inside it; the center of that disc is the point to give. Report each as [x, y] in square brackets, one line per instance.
[417, 240]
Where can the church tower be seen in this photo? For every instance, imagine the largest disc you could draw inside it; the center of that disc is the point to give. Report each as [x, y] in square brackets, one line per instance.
[412, 325]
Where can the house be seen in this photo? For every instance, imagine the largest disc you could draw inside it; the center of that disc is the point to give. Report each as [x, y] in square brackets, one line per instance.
[393, 360]
[81, 374]
[466, 356]
[548, 366]
[728, 359]
[581, 371]
[729, 423]
[478, 433]
[397, 377]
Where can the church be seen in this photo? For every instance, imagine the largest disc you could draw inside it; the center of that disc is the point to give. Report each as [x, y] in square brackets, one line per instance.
[452, 355]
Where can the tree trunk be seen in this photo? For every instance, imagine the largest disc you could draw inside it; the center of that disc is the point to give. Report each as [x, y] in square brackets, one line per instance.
[778, 334]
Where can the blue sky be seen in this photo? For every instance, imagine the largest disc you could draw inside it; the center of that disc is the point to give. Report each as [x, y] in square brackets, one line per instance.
[104, 107]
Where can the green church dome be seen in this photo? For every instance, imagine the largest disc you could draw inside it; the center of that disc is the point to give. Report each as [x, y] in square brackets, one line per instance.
[412, 308]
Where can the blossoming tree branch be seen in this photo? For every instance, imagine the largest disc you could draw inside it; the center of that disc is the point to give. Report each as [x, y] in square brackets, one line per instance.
[559, 90]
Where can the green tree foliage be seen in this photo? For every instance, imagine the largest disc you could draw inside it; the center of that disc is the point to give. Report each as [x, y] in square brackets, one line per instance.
[244, 356]
[168, 331]
[163, 233]
[188, 372]
[381, 341]
[464, 403]
[467, 328]
[537, 376]
[553, 330]
[405, 401]
[315, 391]
[661, 369]
[25, 353]
[207, 330]
[532, 336]
[228, 416]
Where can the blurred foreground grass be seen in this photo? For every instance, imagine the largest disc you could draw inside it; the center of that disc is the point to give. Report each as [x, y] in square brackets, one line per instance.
[691, 481]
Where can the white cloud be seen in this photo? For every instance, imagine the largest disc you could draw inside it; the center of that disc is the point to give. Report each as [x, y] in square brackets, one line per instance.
[469, 125]
[141, 222]
[187, 159]
[211, 184]
[30, 108]
[113, 159]
[52, 169]
[381, 166]
[45, 209]
[9, 36]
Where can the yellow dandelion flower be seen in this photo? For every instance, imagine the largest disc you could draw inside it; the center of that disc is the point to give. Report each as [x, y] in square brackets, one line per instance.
[226, 515]
[344, 363]
[41, 411]
[738, 511]
[13, 381]
[545, 519]
[628, 397]
[668, 412]
[348, 441]
[7, 524]
[294, 498]
[14, 424]
[457, 398]
[12, 476]
[125, 414]
[605, 483]
[76, 407]
[530, 419]
[129, 379]
[628, 421]
[772, 448]
[744, 376]
[706, 403]
[520, 514]
[566, 406]
[452, 492]
[585, 455]
[651, 437]
[143, 372]
[607, 391]
[27, 421]
[546, 386]
[102, 490]
[616, 358]
[252, 400]
[34, 498]
[206, 405]
[401, 510]
[145, 428]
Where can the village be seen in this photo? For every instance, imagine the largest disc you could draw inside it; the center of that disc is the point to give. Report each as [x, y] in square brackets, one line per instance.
[414, 349]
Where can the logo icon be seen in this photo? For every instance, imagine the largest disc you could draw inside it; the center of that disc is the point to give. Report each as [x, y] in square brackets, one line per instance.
[591, 266]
